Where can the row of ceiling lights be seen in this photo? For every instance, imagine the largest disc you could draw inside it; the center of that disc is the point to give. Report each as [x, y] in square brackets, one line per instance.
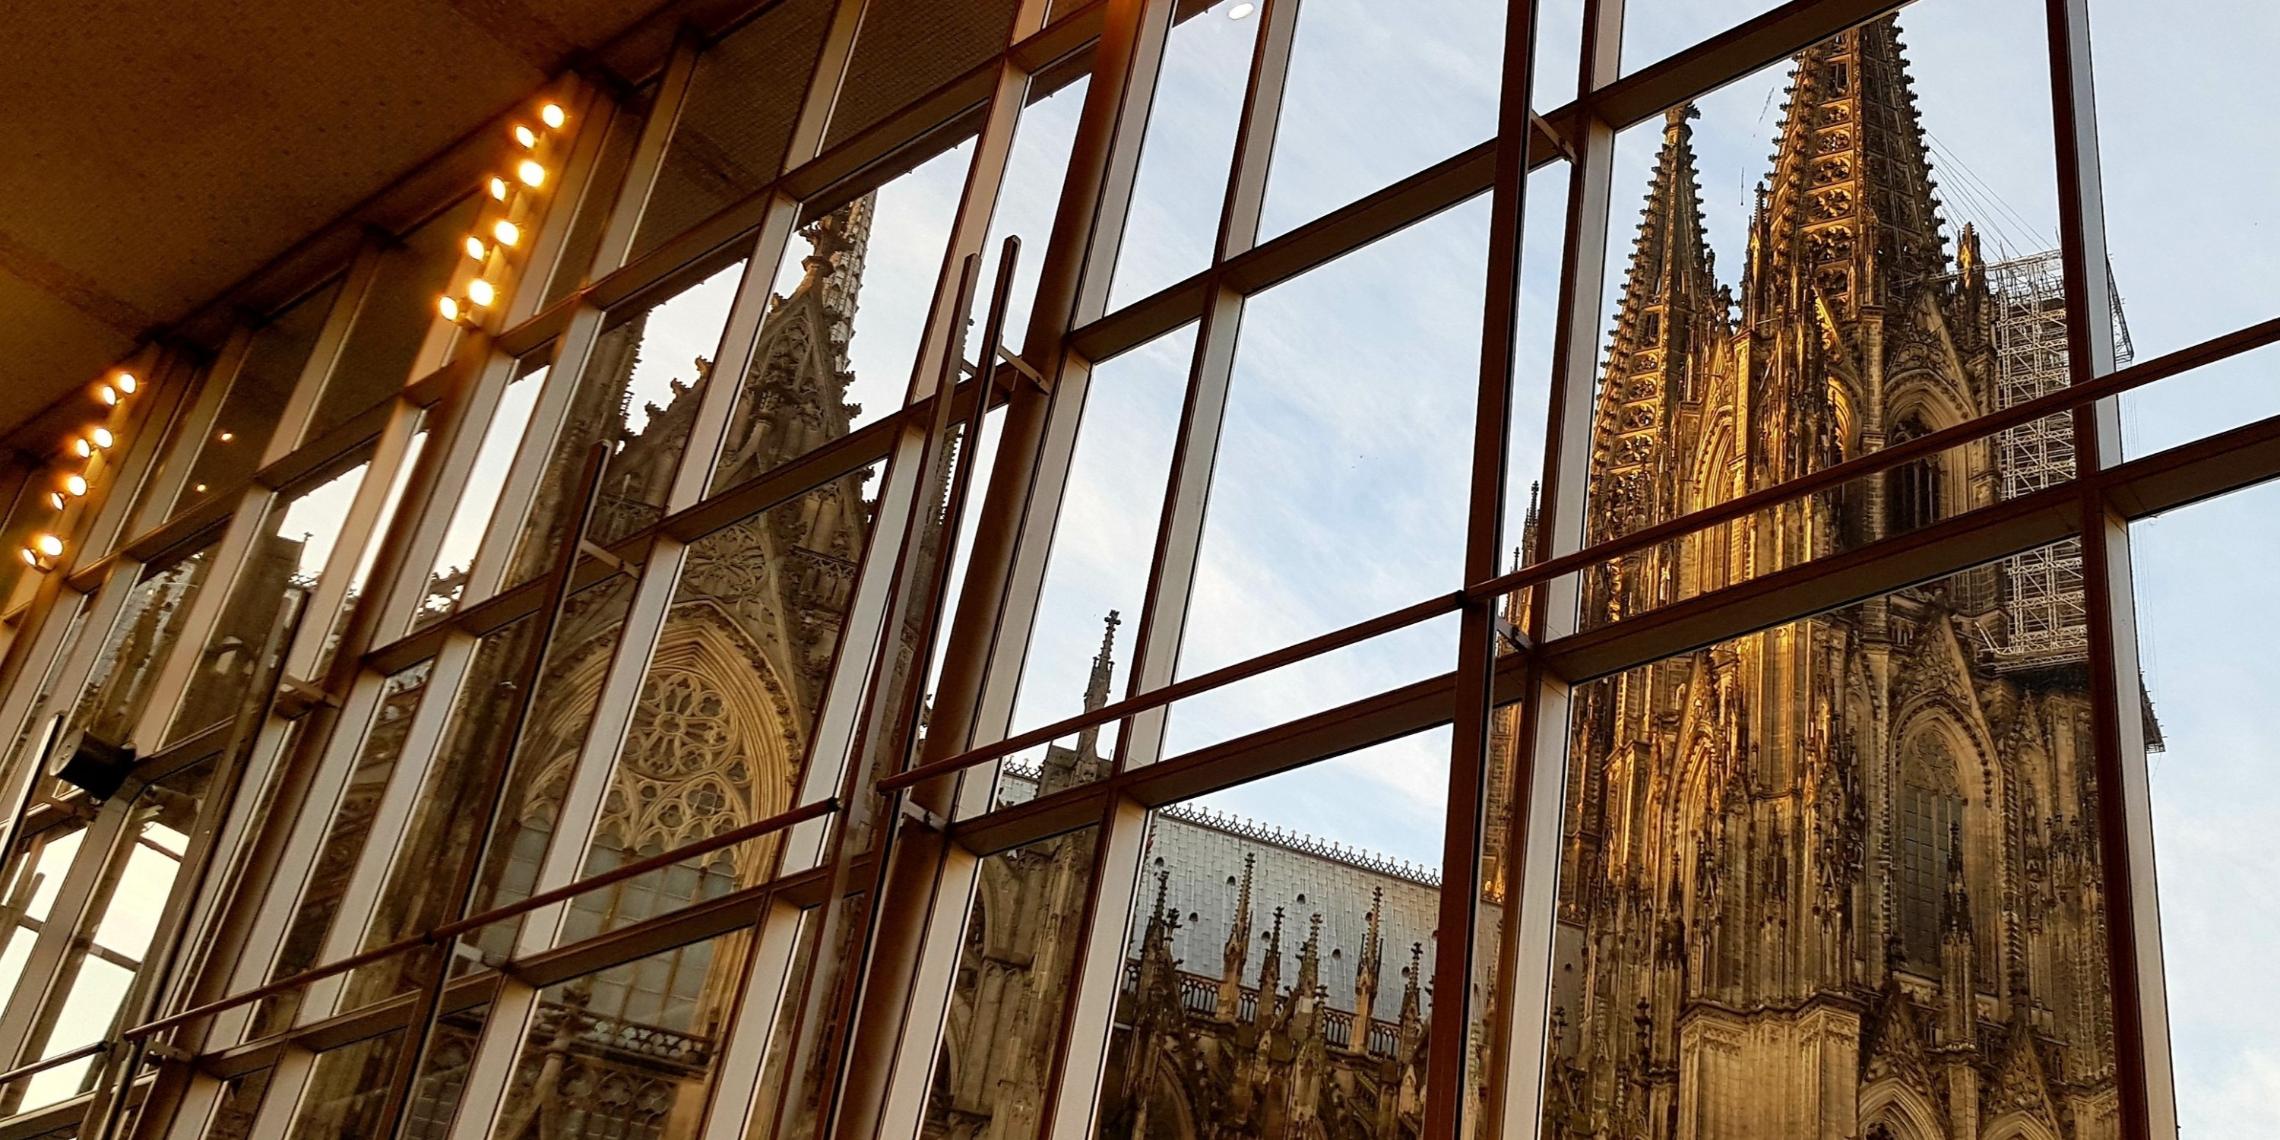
[488, 246]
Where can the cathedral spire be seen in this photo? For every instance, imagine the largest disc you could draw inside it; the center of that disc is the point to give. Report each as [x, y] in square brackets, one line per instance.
[1237, 952]
[1849, 216]
[1671, 307]
[1366, 971]
[1096, 687]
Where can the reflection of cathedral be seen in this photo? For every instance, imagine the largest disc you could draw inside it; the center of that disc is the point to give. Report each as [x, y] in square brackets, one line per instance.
[1838, 879]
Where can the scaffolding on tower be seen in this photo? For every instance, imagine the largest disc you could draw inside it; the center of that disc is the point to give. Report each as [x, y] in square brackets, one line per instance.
[2045, 621]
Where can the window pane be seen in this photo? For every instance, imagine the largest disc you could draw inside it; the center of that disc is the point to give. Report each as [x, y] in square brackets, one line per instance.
[643, 381]
[394, 319]
[447, 821]
[736, 119]
[90, 988]
[721, 729]
[1293, 916]
[846, 320]
[1031, 195]
[1337, 494]
[348, 1088]
[1105, 536]
[1656, 29]
[1829, 872]
[337, 622]
[479, 500]
[343, 845]
[140, 641]
[1008, 1004]
[1376, 92]
[629, 1051]
[1177, 194]
[907, 48]
[279, 572]
[232, 446]
[2205, 635]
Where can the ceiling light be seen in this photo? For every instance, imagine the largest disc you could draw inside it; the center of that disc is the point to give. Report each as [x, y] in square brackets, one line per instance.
[506, 232]
[75, 485]
[55, 500]
[106, 395]
[531, 173]
[525, 136]
[48, 545]
[81, 448]
[476, 249]
[499, 189]
[448, 306]
[102, 437]
[552, 115]
[480, 292]
[226, 436]
[125, 382]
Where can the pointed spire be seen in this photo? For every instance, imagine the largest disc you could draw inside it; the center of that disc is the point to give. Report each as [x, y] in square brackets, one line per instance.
[1096, 687]
[1367, 966]
[1670, 295]
[1238, 949]
[1270, 970]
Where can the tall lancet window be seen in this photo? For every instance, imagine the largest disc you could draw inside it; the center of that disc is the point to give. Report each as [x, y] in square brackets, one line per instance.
[1912, 490]
[1926, 818]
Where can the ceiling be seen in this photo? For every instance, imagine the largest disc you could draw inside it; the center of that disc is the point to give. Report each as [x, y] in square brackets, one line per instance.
[155, 155]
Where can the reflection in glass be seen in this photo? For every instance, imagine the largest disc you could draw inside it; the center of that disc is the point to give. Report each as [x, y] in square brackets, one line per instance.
[1008, 1002]
[486, 481]
[643, 381]
[448, 820]
[1837, 877]
[736, 119]
[231, 447]
[1375, 93]
[2206, 625]
[90, 988]
[846, 320]
[724, 721]
[1031, 192]
[1177, 193]
[279, 571]
[626, 1052]
[343, 844]
[348, 1088]
[140, 641]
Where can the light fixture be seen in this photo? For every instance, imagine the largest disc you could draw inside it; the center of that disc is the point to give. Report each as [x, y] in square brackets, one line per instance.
[102, 437]
[83, 449]
[552, 116]
[31, 558]
[524, 135]
[106, 395]
[532, 174]
[55, 500]
[481, 292]
[506, 232]
[125, 382]
[48, 544]
[200, 488]
[476, 249]
[75, 484]
[226, 436]
[448, 306]
[1241, 11]
[499, 189]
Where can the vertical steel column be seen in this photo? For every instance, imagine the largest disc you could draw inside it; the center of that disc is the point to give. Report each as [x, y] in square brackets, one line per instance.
[1460, 900]
[1532, 836]
[2143, 1076]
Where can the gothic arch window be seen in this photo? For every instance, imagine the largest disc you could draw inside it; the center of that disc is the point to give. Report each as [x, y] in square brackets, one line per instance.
[1914, 494]
[1927, 816]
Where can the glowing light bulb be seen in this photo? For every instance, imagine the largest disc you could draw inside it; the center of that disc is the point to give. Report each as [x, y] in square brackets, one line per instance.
[75, 485]
[106, 395]
[552, 116]
[476, 249]
[226, 436]
[525, 136]
[1240, 11]
[499, 189]
[126, 383]
[448, 306]
[48, 544]
[31, 558]
[81, 448]
[481, 292]
[201, 488]
[103, 437]
[531, 173]
[55, 500]
[506, 232]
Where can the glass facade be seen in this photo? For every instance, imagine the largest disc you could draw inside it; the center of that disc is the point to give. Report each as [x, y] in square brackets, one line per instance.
[1392, 644]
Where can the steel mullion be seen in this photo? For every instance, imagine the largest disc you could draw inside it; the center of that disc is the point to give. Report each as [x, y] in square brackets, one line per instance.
[1459, 903]
[2144, 1078]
